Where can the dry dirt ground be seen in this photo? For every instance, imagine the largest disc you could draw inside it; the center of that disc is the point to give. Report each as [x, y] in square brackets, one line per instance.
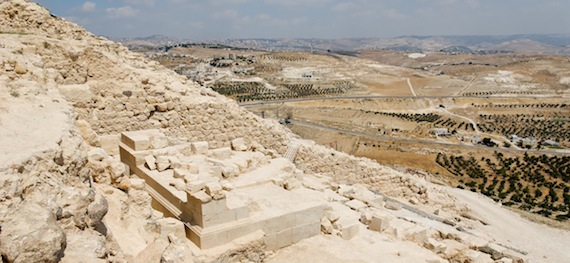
[458, 89]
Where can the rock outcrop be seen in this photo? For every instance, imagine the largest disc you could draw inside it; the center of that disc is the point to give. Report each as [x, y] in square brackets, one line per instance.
[66, 95]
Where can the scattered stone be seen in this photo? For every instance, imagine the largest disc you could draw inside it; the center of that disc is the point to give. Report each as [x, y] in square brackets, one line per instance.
[20, 69]
[326, 226]
[162, 163]
[238, 144]
[356, 205]
[332, 216]
[221, 153]
[97, 210]
[171, 226]
[345, 190]
[494, 250]
[30, 234]
[477, 257]
[393, 205]
[161, 107]
[292, 183]
[137, 184]
[181, 173]
[96, 155]
[380, 221]
[227, 186]
[435, 245]
[414, 201]
[179, 184]
[200, 147]
[150, 162]
[195, 186]
[214, 189]
[202, 196]
[174, 162]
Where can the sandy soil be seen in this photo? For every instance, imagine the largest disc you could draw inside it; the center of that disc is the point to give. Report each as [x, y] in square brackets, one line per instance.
[542, 243]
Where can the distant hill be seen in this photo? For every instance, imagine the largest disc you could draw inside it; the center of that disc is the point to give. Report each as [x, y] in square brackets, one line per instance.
[558, 44]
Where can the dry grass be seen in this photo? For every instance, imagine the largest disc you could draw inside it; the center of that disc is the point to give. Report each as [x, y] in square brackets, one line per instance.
[541, 219]
[425, 162]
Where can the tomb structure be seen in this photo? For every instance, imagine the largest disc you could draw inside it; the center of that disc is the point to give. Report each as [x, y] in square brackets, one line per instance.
[225, 193]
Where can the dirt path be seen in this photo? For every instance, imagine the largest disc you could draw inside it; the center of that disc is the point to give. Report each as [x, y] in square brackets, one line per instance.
[462, 117]
[411, 87]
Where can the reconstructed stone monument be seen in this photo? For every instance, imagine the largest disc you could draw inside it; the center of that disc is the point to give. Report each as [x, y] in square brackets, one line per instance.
[225, 193]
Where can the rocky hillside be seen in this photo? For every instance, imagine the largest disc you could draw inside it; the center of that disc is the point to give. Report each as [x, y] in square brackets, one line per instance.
[66, 95]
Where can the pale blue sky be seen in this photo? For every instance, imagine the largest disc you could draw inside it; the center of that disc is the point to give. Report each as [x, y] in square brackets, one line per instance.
[220, 19]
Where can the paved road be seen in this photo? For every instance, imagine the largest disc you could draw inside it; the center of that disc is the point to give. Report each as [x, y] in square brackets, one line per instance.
[387, 138]
[363, 97]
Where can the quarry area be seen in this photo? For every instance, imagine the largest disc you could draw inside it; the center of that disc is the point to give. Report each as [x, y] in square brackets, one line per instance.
[109, 156]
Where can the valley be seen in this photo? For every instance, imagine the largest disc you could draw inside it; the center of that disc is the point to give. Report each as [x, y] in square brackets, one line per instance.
[409, 110]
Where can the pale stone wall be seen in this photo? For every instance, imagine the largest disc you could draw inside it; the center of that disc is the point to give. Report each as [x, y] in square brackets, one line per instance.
[344, 168]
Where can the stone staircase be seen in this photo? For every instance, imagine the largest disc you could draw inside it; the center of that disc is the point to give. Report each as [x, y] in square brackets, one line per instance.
[292, 151]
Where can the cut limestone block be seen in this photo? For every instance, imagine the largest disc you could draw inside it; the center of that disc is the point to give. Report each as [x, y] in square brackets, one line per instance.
[494, 250]
[435, 246]
[366, 216]
[159, 141]
[179, 184]
[356, 205]
[332, 216]
[399, 227]
[473, 241]
[453, 248]
[181, 173]
[169, 226]
[195, 186]
[345, 190]
[239, 144]
[174, 162]
[227, 185]
[202, 196]
[161, 167]
[292, 183]
[150, 162]
[221, 153]
[229, 170]
[393, 205]
[417, 234]
[216, 171]
[348, 230]
[333, 196]
[477, 257]
[278, 182]
[191, 167]
[301, 232]
[190, 178]
[162, 163]
[326, 226]
[516, 257]
[214, 189]
[137, 142]
[200, 147]
[380, 221]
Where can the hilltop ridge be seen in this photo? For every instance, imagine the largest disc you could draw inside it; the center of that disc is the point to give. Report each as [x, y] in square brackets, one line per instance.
[66, 96]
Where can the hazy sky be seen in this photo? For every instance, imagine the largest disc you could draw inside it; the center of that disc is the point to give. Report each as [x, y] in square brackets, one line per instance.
[219, 19]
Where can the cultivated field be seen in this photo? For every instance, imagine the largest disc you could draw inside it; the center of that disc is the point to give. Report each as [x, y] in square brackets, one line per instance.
[502, 115]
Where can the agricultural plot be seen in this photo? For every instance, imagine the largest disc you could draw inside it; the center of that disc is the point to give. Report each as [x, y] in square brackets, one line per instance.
[536, 183]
